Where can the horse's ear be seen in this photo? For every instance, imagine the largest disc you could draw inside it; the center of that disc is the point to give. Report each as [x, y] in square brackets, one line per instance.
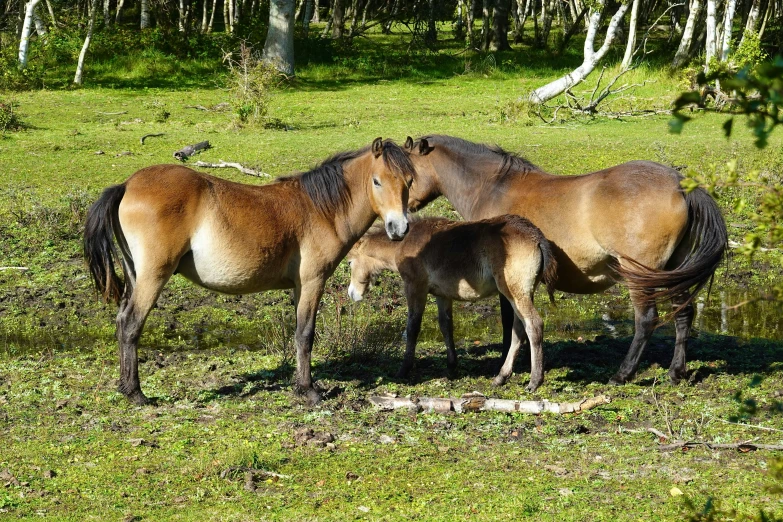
[408, 144]
[424, 147]
[377, 147]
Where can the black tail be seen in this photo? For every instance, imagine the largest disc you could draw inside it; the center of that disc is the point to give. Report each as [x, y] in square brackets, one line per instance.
[100, 251]
[709, 240]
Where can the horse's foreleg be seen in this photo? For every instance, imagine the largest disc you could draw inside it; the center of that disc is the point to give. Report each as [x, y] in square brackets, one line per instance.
[130, 323]
[527, 324]
[446, 323]
[417, 300]
[683, 320]
[645, 319]
[307, 297]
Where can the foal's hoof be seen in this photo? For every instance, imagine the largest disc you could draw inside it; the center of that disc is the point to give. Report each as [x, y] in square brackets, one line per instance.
[617, 380]
[499, 380]
[531, 387]
[137, 397]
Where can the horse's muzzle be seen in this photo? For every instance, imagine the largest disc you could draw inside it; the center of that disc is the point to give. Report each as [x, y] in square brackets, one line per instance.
[396, 227]
[354, 294]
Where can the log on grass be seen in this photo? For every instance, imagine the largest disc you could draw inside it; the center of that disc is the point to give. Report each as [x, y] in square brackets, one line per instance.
[185, 152]
[473, 402]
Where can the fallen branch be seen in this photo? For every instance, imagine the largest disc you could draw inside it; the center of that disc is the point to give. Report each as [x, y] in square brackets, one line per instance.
[756, 426]
[197, 107]
[185, 152]
[473, 402]
[235, 470]
[227, 164]
[22, 268]
[153, 135]
[742, 446]
[111, 113]
[734, 244]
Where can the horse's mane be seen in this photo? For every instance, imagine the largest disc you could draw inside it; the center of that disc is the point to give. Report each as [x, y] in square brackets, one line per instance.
[509, 161]
[325, 184]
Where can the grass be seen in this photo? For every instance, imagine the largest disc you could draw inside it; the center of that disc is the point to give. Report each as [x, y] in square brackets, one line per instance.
[221, 366]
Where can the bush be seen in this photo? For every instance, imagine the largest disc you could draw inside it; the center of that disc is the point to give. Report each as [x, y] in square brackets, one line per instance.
[250, 84]
[9, 120]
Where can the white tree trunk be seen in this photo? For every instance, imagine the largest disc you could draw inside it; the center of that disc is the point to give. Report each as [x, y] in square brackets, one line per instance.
[683, 51]
[592, 57]
[118, 12]
[631, 36]
[230, 4]
[711, 25]
[106, 12]
[145, 14]
[211, 16]
[27, 27]
[181, 17]
[40, 26]
[753, 19]
[731, 6]
[51, 13]
[279, 45]
[77, 79]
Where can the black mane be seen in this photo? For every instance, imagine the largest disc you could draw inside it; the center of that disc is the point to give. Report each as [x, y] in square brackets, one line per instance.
[509, 161]
[325, 184]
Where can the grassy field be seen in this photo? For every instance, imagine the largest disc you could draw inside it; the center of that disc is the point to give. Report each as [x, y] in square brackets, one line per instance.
[220, 367]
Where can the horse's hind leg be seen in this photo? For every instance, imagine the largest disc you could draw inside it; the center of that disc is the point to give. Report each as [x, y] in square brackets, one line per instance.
[507, 320]
[130, 322]
[446, 323]
[645, 320]
[683, 320]
[527, 323]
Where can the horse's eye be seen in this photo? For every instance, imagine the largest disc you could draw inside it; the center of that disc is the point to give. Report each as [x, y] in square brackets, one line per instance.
[376, 182]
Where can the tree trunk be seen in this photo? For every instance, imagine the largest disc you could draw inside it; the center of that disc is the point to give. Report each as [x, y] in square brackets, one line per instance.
[753, 19]
[767, 14]
[591, 56]
[470, 17]
[118, 12]
[432, 30]
[338, 19]
[51, 14]
[279, 45]
[145, 14]
[631, 36]
[106, 13]
[308, 15]
[211, 16]
[683, 51]
[710, 44]
[230, 6]
[485, 28]
[728, 18]
[40, 27]
[499, 33]
[27, 27]
[77, 79]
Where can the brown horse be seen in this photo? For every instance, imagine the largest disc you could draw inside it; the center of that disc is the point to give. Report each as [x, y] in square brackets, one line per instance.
[465, 261]
[631, 221]
[237, 239]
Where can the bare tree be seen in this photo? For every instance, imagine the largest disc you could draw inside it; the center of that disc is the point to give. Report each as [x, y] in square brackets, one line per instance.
[711, 26]
[77, 79]
[683, 51]
[27, 28]
[631, 36]
[591, 56]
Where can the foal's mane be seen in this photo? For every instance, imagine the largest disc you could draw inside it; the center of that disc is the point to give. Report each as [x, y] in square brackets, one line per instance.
[325, 184]
[508, 161]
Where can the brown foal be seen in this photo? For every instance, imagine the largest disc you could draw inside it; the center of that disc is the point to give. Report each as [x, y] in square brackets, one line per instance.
[463, 261]
[236, 238]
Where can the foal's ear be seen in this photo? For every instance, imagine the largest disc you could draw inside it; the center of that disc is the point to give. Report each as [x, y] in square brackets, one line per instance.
[424, 147]
[408, 144]
[377, 147]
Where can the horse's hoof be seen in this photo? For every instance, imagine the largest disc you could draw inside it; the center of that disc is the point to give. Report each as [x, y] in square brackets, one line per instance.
[313, 397]
[499, 381]
[617, 381]
[530, 388]
[138, 398]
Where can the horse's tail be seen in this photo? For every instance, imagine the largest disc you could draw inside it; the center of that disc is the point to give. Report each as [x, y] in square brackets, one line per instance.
[100, 251]
[548, 267]
[709, 240]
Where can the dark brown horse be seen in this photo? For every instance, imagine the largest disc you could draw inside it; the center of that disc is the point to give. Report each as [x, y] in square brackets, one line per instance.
[237, 239]
[464, 261]
[631, 221]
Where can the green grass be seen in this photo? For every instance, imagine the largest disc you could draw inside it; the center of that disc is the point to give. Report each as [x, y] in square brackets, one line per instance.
[221, 367]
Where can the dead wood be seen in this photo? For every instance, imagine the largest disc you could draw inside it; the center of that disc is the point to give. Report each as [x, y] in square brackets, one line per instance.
[185, 152]
[233, 165]
[473, 402]
[20, 268]
[741, 446]
[234, 471]
[153, 135]
[111, 113]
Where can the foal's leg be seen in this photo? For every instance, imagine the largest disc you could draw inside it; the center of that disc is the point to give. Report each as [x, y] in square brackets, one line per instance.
[130, 322]
[683, 320]
[645, 319]
[446, 323]
[417, 301]
[507, 320]
[526, 323]
[307, 296]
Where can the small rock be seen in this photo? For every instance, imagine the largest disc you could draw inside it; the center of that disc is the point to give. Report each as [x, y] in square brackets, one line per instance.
[49, 473]
[99, 153]
[385, 439]
[565, 492]
[351, 476]
[364, 509]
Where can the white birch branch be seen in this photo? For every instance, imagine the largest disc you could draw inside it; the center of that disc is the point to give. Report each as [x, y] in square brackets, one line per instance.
[473, 402]
[226, 164]
[27, 27]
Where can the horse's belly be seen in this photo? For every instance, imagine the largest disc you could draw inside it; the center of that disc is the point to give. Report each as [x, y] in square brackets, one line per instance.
[463, 289]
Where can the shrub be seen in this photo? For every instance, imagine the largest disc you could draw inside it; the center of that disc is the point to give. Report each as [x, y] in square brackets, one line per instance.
[9, 120]
[251, 83]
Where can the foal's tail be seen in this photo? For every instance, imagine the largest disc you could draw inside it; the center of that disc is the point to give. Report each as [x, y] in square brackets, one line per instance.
[100, 251]
[709, 239]
[548, 267]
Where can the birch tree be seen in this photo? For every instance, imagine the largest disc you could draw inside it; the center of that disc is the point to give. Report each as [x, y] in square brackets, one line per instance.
[631, 36]
[711, 26]
[683, 51]
[77, 79]
[728, 18]
[591, 56]
[145, 14]
[753, 19]
[27, 28]
[279, 45]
